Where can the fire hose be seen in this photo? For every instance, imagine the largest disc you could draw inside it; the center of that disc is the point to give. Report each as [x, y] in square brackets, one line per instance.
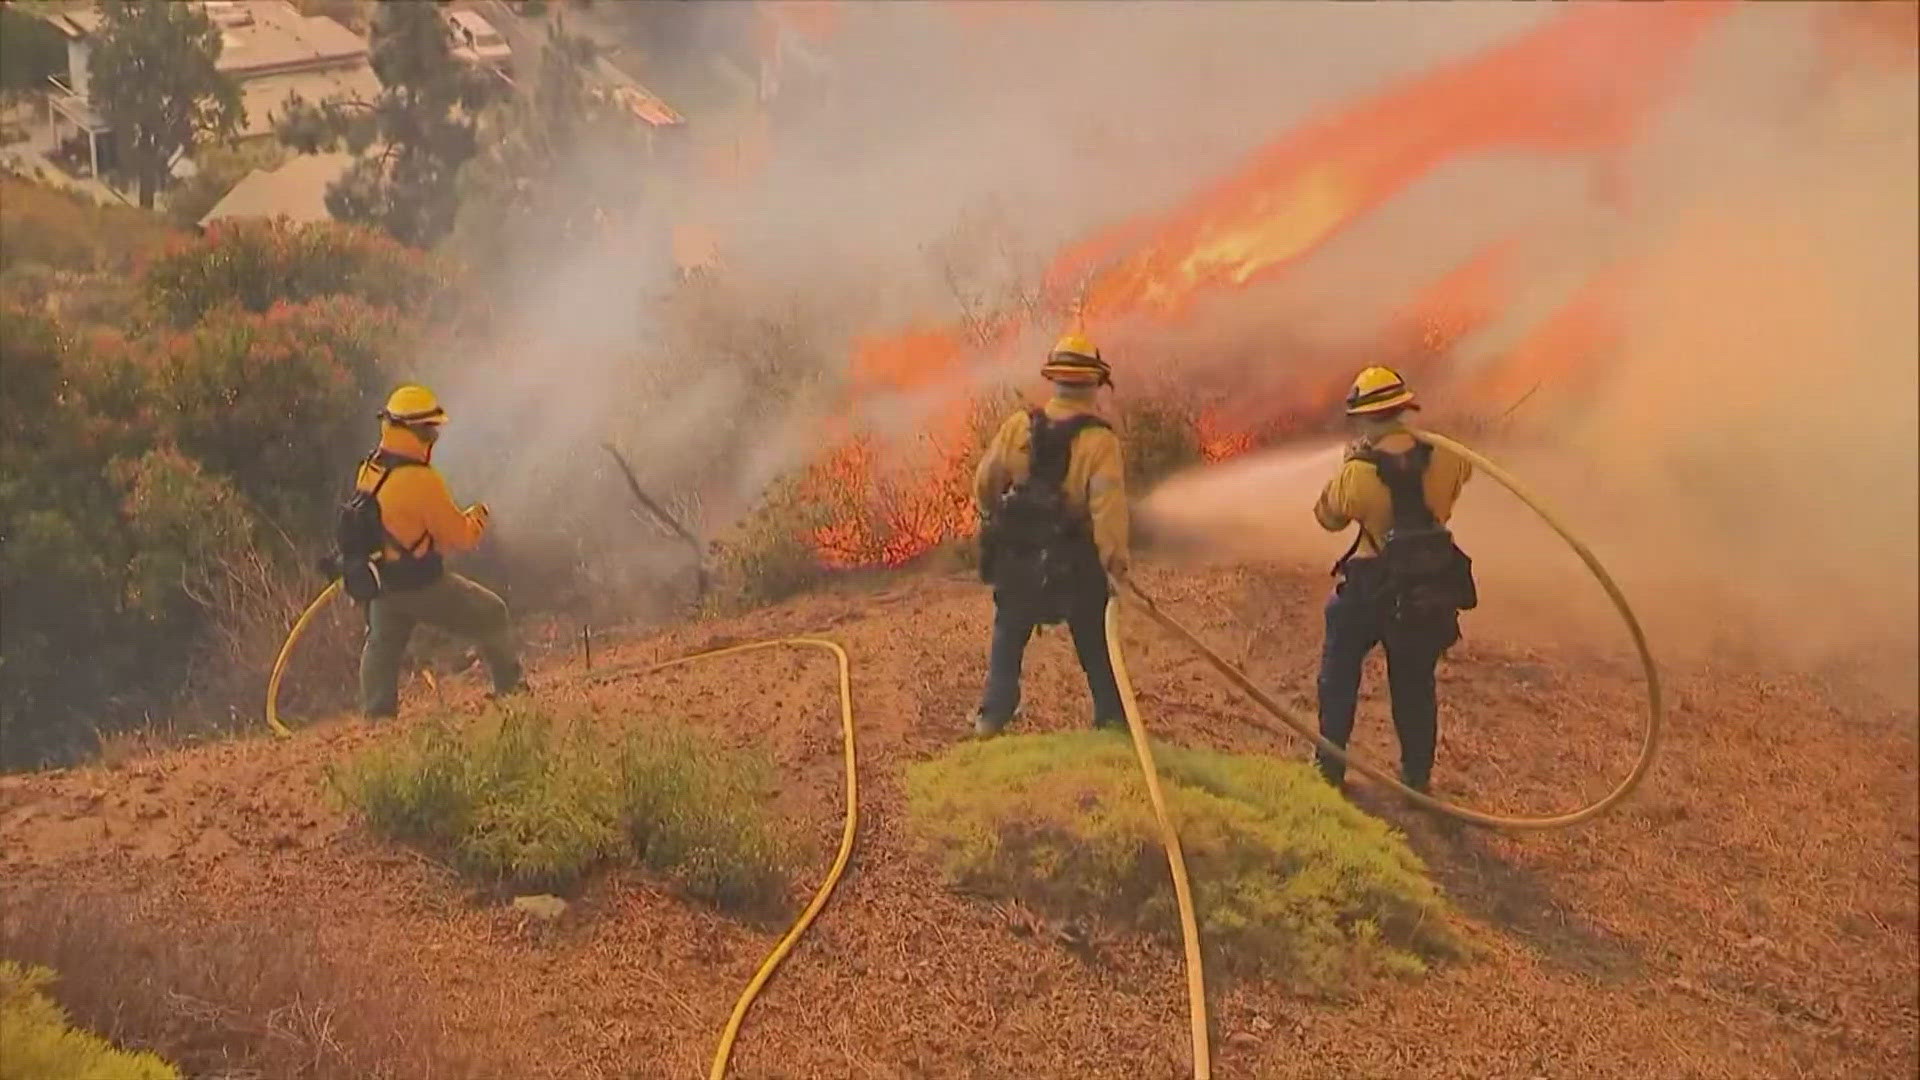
[1196, 989]
[1306, 728]
[732, 1030]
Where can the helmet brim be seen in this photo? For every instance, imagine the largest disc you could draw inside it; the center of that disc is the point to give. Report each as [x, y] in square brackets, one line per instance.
[432, 419]
[1402, 400]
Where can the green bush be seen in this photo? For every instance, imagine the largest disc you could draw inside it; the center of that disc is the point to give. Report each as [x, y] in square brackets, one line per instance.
[513, 803]
[259, 263]
[696, 815]
[1288, 878]
[528, 803]
[38, 1043]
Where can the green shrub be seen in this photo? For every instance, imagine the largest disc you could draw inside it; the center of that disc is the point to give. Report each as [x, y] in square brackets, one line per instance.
[696, 815]
[1288, 878]
[38, 1043]
[260, 263]
[524, 802]
[512, 802]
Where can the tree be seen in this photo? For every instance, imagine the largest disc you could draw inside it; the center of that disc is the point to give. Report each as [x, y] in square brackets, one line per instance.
[557, 161]
[256, 264]
[156, 84]
[412, 140]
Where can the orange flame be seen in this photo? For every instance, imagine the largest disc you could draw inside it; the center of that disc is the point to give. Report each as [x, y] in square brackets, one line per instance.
[1582, 83]
[1218, 440]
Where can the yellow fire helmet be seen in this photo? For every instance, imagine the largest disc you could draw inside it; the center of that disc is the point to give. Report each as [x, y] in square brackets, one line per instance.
[1075, 360]
[1378, 389]
[413, 405]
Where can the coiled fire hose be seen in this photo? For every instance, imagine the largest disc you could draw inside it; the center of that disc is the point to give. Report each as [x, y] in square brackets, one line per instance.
[1307, 728]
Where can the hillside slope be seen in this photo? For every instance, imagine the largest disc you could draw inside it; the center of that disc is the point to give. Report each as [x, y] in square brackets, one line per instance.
[1751, 912]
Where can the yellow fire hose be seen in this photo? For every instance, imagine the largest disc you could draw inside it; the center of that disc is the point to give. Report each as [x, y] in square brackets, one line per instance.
[286, 650]
[1196, 990]
[779, 953]
[1307, 727]
[1170, 837]
[732, 1030]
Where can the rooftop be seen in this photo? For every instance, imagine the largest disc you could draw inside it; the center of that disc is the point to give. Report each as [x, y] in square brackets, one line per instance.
[259, 37]
[296, 190]
[265, 97]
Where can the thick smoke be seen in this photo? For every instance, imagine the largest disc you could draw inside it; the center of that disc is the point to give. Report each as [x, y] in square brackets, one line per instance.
[1746, 461]
[934, 135]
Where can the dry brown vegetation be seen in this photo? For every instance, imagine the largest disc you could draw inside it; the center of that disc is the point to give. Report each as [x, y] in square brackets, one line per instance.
[234, 999]
[1750, 913]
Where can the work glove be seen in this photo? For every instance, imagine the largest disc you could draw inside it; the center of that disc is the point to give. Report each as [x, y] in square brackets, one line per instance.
[480, 514]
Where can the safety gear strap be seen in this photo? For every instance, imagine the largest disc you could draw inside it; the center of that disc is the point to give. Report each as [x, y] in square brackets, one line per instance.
[1051, 442]
[1405, 480]
[389, 463]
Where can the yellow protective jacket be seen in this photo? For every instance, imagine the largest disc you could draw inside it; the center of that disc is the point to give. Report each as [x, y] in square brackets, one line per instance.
[1095, 484]
[1356, 493]
[415, 505]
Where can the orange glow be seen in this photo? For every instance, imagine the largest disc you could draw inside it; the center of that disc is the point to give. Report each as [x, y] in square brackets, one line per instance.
[1580, 83]
[1459, 302]
[1219, 441]
[1564, 347]
[1884, 35]
[886, 509]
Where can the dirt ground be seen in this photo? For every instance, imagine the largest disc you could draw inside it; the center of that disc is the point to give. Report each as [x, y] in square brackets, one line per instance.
[1751, 912]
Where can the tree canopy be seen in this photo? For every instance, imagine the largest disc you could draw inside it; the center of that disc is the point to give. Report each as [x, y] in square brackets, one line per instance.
[156, 83]
[412, 140]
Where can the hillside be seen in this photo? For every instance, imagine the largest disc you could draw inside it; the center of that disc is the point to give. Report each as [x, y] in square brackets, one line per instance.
[1751, 912]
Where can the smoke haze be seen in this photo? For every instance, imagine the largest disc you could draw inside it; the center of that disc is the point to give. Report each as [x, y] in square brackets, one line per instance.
[1745, 461]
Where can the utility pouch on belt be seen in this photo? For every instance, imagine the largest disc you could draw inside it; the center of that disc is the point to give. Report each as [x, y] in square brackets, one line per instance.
[360, 539]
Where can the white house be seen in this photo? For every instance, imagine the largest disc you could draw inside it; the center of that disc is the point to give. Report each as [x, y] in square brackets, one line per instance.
[268, 47]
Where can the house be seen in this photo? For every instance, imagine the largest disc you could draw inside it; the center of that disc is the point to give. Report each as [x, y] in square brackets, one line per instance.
[267, 46]
[296, 191]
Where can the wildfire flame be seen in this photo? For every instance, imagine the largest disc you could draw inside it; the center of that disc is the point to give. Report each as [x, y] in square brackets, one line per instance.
[1582, 83]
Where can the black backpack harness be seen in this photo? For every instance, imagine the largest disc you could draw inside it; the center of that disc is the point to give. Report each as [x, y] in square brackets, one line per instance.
[1420, 575]
[361, 539]
[1034, 548]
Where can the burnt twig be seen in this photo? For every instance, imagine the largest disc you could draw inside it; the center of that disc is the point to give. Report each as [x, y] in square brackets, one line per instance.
[660, 515]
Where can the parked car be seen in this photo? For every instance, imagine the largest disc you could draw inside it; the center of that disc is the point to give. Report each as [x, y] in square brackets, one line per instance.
[477, 42]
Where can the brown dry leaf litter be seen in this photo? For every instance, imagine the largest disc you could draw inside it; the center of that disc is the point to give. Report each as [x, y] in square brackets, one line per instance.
[1750, 913]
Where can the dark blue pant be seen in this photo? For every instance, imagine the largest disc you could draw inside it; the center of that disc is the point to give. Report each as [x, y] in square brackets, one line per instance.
[1013, 624]
[1354, 627]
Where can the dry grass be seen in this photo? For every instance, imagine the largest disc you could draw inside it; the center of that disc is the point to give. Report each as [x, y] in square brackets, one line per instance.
[235, 1001]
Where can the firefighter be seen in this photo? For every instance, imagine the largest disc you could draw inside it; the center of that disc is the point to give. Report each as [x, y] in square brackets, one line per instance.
[1052, 497]
[1403, 582]
[422, 526]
